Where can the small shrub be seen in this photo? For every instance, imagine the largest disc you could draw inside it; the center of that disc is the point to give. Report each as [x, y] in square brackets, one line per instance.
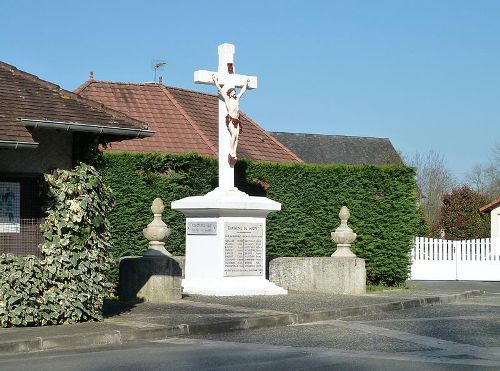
[69, 283]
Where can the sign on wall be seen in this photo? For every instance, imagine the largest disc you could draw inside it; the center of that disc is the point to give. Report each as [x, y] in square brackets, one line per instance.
[10, 207]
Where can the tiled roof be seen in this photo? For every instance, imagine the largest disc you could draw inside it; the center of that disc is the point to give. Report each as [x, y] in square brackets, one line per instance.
[492, 205]
[26, 97]
[184, 121]
[338, 149]
[12, 131]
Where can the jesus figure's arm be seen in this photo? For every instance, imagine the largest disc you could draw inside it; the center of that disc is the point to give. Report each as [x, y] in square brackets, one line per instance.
[244, 88]
[216, 82]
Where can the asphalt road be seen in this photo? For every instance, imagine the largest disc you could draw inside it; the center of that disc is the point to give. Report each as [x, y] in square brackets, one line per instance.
[460, 336]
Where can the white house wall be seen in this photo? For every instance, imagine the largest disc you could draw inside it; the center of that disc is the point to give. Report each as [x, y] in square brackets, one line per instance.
[495, 223]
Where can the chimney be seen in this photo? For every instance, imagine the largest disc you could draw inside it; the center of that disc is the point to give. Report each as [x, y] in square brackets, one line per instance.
[91, 76]
[160, 80]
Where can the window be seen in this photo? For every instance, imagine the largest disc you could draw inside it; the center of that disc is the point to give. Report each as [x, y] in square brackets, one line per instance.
[20, 214]
[10, 207]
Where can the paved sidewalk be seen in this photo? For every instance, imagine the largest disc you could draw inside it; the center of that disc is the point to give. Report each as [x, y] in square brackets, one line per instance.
[125, 322]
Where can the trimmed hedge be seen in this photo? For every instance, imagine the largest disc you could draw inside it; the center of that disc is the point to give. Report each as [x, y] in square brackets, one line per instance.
[136, 180]
[70, 283]
[381, 199]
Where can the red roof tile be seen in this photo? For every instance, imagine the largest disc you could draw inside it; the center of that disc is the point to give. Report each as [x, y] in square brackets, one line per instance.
[25, 96]
[184, 121]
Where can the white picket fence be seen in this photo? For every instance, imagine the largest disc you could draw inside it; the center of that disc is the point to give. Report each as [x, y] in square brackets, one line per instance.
[468, 260]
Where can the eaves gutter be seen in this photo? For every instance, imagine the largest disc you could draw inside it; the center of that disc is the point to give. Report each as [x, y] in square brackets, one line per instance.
[88, 128]
[17, 144]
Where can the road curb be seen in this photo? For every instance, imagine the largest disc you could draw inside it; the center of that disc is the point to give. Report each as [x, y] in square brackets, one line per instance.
[113, 337]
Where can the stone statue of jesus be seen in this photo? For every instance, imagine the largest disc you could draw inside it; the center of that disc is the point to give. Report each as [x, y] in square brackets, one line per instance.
[233, 123]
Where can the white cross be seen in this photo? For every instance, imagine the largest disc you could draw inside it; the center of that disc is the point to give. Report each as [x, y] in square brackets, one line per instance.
[226, 74]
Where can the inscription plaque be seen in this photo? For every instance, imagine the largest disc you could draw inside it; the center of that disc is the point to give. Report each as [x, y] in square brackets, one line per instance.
[243, 249]
[201, 228]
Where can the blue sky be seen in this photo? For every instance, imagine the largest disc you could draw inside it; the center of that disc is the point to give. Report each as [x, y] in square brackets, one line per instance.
[425, 74]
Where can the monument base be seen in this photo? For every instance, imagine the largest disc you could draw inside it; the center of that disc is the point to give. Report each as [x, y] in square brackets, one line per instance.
[226, 244]
[154, 279]
[331, 275]
[231, 286]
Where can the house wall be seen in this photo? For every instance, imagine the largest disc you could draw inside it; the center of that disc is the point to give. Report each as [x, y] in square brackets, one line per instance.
[54, 151]
[495, 223]
[21, 166]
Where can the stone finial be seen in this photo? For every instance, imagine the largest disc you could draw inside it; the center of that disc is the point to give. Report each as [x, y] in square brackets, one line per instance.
[157, 231]
[343, 236]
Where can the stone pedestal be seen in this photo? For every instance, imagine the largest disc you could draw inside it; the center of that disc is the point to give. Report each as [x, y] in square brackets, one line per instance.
[156, 276]
[154, 279]
[341, 275]
[226, 244]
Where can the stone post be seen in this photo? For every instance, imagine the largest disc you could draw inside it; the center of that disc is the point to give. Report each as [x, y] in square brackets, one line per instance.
[156, 276]
[157, 231]
[343, 236]
[341, 273]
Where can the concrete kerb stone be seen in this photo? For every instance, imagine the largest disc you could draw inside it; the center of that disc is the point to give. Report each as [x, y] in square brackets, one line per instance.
[21, 346]
[159, 333]
[384, 307]
[123, 336]
[77, 340]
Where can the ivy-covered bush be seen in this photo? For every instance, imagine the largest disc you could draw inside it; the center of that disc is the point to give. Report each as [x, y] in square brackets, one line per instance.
[69, 283]
[382, 200]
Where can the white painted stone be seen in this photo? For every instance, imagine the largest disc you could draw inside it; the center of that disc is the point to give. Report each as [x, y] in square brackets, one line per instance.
[206, 270]
[495, 230]
[495, 223]
[205, 77]
[205, 254]
[226, 202]
[226, 56]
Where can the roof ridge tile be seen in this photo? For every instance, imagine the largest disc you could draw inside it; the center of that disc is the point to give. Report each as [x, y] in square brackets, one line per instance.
[327, 135]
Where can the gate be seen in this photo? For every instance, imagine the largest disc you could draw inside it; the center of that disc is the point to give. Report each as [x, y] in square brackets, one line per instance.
[447, 260]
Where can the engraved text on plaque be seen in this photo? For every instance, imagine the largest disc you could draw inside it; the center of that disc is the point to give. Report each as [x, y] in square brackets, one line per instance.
[243, 249]
[201, 228]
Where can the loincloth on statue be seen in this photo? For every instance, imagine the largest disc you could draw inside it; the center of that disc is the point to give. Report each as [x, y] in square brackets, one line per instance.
[235, 122]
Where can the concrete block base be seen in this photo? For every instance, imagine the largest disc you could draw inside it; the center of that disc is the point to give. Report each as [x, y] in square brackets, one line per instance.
[333, 275]
[154, 279]
[231, 286]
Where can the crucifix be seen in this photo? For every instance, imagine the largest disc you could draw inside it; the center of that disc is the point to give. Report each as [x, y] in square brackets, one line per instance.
[226, 80]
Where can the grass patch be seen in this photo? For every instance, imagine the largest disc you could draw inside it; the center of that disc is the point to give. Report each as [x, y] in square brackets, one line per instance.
[378, 288]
